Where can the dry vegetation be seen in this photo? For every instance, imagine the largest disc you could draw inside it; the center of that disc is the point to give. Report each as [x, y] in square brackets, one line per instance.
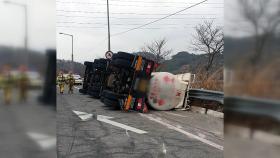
[262, 81]
[210, 40]
[205, 80]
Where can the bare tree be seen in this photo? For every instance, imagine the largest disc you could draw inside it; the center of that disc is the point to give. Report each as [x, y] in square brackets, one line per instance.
[210, 40]
[264, 17]
[157, 50]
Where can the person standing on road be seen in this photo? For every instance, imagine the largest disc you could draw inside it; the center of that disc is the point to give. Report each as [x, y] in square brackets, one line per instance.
[61, 82]
[71, 82]
[7, 84]
[23, 83]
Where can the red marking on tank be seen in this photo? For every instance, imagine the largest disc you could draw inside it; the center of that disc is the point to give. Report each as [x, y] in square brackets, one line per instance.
[166, 79]
[145, 109]
[161, 102]
[139, 104]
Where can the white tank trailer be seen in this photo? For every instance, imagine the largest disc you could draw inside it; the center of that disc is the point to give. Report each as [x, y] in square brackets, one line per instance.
[167, 91]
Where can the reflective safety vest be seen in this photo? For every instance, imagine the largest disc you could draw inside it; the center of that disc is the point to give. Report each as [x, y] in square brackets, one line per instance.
[71, 80]
[60, 79]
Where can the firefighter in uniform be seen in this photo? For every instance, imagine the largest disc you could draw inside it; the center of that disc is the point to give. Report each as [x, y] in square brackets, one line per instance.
[71, 82]
[7, 85]
[1, 81]
[61, 82]
[23, 83]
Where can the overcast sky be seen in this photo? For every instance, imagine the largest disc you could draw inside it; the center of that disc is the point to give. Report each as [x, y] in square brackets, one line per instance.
[41, 24]
[86, 20]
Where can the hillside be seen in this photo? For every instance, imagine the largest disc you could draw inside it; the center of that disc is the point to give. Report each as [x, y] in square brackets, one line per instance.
[187, 62]
[65, 66]
[179, 63]
[15, 57]
[239, 48]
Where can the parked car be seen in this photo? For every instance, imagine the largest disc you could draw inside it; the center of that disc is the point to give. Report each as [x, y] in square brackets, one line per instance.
[34, 78]
[78, 79]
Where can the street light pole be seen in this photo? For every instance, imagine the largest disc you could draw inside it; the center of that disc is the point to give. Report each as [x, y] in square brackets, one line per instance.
[108, 22]
[26, 31]
[72, 54]
[24, 6]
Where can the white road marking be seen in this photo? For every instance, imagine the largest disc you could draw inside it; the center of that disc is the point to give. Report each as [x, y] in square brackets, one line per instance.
[83, 115]
[201, 135]
[179, 126]
[44, 141]
[127, 133]
[106, 120]
[159, 120]
[175, 114]
[164, 148]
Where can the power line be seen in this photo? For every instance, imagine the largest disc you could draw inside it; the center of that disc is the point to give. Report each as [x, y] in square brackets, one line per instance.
[133, 1]
[148, 28]
[131, 5]
[88, 23]
[135, 18]
[101, 22]
[118, 1]
[120, 13]
[135, 28]
[93, 27]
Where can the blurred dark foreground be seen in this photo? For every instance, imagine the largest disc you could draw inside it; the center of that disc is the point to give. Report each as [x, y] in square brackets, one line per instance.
[252, 85]
[28, 108]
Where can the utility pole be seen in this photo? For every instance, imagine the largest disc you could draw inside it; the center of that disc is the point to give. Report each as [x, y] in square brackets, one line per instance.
[26, 31]
[108, 22]
[24, 6]
[72, 54]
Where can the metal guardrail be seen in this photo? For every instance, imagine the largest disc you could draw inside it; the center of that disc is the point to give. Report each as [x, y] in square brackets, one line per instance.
[207, 95]
[253, 107]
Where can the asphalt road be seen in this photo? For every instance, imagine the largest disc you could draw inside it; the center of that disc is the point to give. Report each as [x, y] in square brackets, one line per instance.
[164, 134]
[27, 130]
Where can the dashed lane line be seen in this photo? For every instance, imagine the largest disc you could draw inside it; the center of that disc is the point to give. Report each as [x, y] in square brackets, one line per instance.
[175, 114]
[160, 121]
[105, 119]
[44, 141]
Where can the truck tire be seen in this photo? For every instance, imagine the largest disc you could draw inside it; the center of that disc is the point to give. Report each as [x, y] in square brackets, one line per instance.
[88, 63]
[102, 99]
[122, 63]
[103, 61]
[96, 88]
[126, 56]
[111, 95]
[94, 94]
[83, 91]
[112, 103]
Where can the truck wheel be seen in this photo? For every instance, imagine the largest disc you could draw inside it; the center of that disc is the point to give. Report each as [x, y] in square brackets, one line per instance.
[122, 63]
[96, 87]
[94, 94]
[110, 95]
[126, 56]
[103, 61]
[102, 99]
[112, 103]
[88, 63]
[83, 91]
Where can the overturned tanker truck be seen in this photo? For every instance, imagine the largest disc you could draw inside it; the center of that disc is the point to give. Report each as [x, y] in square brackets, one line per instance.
[129, 82]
